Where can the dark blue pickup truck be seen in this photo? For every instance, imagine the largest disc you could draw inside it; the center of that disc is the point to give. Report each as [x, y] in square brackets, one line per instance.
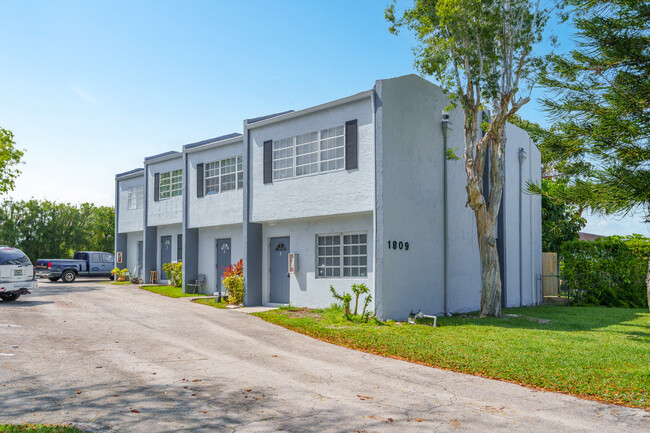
[83, 264]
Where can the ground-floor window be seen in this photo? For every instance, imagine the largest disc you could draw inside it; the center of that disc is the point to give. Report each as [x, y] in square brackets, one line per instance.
[342, 255]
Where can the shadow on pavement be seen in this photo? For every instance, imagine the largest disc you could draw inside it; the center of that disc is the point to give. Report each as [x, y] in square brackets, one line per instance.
[196, 406]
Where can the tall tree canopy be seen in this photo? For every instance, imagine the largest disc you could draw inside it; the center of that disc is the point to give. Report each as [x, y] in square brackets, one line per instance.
[9, 159]
[43, 229]
[600, 102]
[480, 51]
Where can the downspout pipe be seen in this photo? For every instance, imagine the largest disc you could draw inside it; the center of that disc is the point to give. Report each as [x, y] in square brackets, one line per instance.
[446, 125]
[522, 158]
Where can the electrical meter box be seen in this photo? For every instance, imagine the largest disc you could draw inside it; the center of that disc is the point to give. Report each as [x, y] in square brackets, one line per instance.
[293, 263]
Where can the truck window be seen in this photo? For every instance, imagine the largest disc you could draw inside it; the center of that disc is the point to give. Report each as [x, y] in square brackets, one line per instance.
[95, 258]
[108, 258]
[80, 256]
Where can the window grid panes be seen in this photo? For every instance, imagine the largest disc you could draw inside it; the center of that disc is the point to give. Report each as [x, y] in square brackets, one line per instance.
[355, 255]
[311, 153]
[342, 255]
[224, 175]
[171, 184]
[135, 197]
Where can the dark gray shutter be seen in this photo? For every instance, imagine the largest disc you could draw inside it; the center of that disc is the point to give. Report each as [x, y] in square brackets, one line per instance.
[156, 187]
[268, 161]
[179, 248]
[199, 180]
[351, 145]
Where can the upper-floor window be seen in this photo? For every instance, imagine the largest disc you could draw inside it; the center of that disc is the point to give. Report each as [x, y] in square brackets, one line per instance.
[314, 152]
[135, 197]
[171, 184]
[224, 175]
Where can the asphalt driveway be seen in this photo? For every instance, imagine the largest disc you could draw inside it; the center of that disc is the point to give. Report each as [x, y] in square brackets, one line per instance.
[118, 358]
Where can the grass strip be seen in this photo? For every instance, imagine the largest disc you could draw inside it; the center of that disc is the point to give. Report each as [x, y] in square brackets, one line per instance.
[38, 428]
[212, 302]
[591, 352]
[171, 291]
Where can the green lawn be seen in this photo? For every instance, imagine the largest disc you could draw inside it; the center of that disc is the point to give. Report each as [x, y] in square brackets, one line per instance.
[592, 352]
[212, 302]
[38, 428]
[171, 291]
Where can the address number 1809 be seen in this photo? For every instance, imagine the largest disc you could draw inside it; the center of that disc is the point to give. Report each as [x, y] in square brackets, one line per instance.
[398, 245]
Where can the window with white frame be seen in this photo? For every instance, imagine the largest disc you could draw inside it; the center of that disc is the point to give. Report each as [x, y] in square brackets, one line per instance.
[135, 197]
[224, 175]
[311, 153]
[171, 184]
[342, 255]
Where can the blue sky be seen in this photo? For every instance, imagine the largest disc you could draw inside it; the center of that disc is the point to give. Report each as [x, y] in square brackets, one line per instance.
[90, 88]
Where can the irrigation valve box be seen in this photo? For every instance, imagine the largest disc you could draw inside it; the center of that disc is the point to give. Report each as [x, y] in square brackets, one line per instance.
[293, 263]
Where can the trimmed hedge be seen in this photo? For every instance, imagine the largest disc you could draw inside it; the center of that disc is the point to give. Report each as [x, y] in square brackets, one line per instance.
[608, 271]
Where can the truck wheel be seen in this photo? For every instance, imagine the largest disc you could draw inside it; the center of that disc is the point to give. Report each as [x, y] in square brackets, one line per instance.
[53, 279]
[8, 297]
[68, 276]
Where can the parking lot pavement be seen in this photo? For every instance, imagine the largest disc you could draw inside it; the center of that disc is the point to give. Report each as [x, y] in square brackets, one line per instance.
[121, 359]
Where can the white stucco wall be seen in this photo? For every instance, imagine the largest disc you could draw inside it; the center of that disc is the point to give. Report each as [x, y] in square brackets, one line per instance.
[305, 288]
[330, 193]
[129, 220]
[132, 253]
[207, 252]
[168, 211]
[172, 230]
[214, 209]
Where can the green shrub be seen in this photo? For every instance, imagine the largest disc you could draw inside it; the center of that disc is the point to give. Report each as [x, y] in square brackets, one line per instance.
[609, 271]
[235, 286]
[174, 272]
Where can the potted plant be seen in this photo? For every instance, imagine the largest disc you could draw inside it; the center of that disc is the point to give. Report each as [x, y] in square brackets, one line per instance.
[121, 274]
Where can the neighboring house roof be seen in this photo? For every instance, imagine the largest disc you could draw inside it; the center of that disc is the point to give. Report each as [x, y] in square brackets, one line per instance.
[212, 140]
[589, 236]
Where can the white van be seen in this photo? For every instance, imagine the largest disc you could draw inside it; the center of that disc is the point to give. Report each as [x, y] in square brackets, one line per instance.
[16, 274]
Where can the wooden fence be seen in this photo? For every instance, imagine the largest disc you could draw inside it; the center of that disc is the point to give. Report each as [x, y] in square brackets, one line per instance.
[550, 277]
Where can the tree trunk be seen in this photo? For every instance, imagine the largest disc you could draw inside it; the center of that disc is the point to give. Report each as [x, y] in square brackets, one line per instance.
[647, 282]
[490, 273]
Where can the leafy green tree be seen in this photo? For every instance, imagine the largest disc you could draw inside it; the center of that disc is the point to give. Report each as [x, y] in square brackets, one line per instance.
[9, 159]
[600, 102]
[44, 229]
[480, 51]
[561, 221]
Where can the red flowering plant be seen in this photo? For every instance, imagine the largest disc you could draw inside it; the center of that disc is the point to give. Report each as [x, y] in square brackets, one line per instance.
[233, 279]
[234, 270]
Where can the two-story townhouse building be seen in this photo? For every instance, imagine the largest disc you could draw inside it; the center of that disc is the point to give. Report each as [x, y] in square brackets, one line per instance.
[129, 219]
[212, 225]
[358, 190]
[163, 213]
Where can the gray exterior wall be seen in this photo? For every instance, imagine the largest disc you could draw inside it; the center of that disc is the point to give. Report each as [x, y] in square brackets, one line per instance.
[331, 193]
[132, 253]
[410, 207]
[214, 209]
[168, 211]
[129, 220]
[207, 258]
[522, 271]
[410, 197]
[306, 288]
